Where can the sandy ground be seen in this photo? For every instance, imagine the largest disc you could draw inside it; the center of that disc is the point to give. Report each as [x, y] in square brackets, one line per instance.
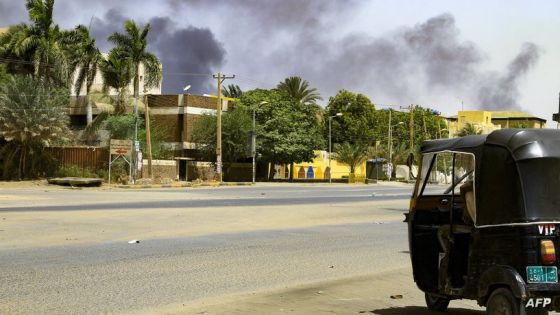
[389, 293]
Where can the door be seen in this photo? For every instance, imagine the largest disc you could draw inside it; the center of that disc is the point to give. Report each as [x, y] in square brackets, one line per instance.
[439, 249]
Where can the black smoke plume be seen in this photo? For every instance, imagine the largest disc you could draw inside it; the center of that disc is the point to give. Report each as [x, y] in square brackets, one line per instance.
[428, 63]
[188, 55]
[501, 90]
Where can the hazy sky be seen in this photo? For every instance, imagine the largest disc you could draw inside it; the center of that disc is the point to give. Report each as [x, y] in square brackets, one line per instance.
[486, 54]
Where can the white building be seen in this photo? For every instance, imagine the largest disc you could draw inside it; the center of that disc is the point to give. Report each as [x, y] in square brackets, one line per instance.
[98, 84]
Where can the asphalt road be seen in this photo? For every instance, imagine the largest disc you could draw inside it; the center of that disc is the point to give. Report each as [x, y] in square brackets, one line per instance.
[117, 277]
[266, 195]
[123, 277]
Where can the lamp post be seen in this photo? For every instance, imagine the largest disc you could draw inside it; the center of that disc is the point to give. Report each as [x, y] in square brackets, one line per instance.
[254, 141]
[330, 144]
[391, 147]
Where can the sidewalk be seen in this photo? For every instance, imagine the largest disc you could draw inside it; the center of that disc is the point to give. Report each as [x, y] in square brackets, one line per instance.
[181, 185]
[387, 293]
[42, 183]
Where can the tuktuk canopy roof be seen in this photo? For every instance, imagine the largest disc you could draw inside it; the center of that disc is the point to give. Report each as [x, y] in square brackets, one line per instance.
[522, 143]
[517, 174]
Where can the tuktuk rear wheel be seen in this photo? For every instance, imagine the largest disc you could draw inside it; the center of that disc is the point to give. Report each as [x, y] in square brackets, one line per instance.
[503, 302]
[436, 303]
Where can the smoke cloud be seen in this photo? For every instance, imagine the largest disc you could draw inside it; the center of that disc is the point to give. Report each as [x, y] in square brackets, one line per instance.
[427, 63]
[188, 55]
[501, 90]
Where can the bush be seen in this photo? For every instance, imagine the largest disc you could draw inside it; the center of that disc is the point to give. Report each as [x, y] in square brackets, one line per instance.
[75, 171]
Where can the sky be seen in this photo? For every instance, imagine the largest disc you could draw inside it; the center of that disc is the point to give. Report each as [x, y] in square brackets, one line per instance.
[446, 55]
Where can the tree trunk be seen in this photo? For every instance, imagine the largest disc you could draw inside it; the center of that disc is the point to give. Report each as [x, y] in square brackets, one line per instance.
[20, 166]
[137, 81]
[292, 172]
[89, 110]
[271, 171]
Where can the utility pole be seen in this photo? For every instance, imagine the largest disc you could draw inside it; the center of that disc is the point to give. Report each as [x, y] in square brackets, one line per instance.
[221, 78]
[148, 137]
[411, 108]
[411, 125]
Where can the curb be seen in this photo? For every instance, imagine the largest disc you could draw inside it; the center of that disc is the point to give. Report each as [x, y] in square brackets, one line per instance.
[183, 185]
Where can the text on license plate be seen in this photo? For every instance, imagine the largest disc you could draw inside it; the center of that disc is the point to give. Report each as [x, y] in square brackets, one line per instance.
[542, 274]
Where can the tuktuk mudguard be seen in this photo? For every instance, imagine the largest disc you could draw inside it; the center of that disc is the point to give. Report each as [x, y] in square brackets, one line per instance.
[501, 276]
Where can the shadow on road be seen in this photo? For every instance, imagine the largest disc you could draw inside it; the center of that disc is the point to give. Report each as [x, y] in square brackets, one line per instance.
[418, 310]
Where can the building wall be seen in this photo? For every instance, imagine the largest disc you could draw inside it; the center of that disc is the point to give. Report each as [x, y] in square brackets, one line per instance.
[482, 120]
[519, 123]
[319, 166]
[179, 113]
[488, 121]
[98, 84]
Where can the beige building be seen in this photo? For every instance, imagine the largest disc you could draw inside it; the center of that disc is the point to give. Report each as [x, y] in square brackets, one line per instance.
[98, 84]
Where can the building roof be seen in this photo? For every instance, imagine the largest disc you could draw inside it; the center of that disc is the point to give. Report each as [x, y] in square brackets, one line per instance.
[514, 115]
[505, 115]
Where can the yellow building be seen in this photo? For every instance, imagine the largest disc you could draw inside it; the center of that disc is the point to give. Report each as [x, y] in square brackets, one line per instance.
[517, 120]
[319, 169]
[488, 121]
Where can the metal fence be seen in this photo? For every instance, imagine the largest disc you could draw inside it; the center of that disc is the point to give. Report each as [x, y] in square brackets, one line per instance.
[92, 158]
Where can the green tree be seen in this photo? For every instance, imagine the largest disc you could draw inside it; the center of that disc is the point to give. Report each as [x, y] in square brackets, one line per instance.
[287, 130]
[236, 128]
[122, 126]
[351, 154]
[32, 117]
[468, 130]
[426, 125]
[358, 121]
[299, 90]
[4, 76]
[85, 58]
[117, 74]
[42, 43]
[232, 90]
[15, 63]
[132, 46]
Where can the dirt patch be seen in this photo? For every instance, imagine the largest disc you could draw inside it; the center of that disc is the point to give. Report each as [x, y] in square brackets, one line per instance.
[368, 294]
[23, 184]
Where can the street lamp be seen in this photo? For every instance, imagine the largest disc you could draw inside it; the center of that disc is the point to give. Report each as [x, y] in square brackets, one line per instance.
[391, 148]
[330, 144]
[187, 88]
[254, 141]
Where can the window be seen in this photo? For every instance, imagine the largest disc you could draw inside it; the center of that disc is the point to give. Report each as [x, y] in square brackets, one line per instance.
[444, 176]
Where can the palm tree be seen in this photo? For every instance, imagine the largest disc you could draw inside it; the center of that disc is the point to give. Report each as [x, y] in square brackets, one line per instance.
[14, 63]
[84, 58]
[232, 90]
[351, 154]
[43, 42]
[32, 117]
[469, 130]
[117, 74]
[299, 90]
[132, 46]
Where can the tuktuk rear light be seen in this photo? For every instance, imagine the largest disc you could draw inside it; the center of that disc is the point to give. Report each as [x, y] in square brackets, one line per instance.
[548, 253]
